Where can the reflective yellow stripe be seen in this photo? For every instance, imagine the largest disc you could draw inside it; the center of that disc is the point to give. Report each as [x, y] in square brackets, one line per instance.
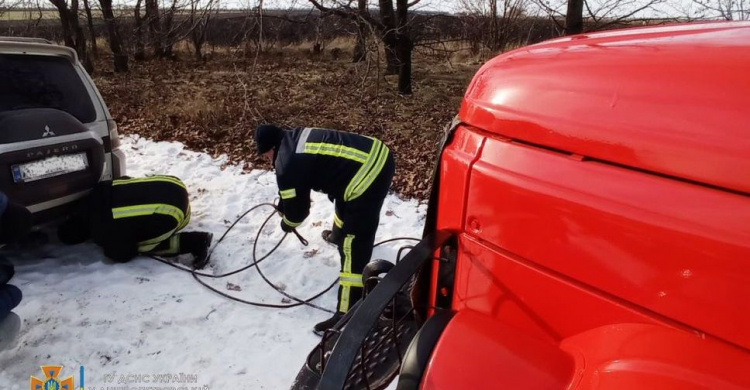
[159, 239]
[147, 248]
[167, 179]
[363, 170]
[344, 304]
[335, 150]
[185, 220]
[367, 181]
[149, 209]
[350, 279]
[348, 253]
[290, 223]
[288, 194]
[174, 246]
[337, 221]
[346, 269]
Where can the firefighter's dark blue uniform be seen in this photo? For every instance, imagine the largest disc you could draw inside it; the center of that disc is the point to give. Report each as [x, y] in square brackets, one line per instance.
[356, 172]
[137, 215]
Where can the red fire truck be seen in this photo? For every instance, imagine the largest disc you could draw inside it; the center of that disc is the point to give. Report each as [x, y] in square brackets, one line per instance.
[589, 226]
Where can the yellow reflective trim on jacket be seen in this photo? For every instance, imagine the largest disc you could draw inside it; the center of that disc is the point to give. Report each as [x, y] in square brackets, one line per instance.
[363, 170]
[149, 209]
[370, 178]
[350, 279]
[288, 194]
[337, 221]
[290, 223]
[166, 179]
[335, 150]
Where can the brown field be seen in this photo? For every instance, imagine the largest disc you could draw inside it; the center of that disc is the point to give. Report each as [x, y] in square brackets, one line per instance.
[215, 105]
[27, 15]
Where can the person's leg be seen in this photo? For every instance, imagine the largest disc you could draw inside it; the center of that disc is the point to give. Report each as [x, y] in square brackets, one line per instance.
[6, 270]
[358, 236]
[360, 223]
[356, 250]
[195, 243]
[10, 297]
[15, 223]
[334, 236]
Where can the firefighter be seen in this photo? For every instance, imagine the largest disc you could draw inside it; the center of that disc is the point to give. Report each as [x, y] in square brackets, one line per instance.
[15, 223]
[355, 171]
[133, 216]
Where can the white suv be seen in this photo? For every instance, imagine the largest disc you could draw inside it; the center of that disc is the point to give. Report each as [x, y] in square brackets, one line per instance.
[57, 138]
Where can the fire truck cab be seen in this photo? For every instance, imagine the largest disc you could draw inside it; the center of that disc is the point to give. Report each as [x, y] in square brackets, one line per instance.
[597, 188]
[589, 225]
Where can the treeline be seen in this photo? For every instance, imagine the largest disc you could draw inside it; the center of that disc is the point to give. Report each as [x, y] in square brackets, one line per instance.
[152, 28]
[284, 28]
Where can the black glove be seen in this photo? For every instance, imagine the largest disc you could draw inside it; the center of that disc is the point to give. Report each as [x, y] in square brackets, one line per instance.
[286, 228]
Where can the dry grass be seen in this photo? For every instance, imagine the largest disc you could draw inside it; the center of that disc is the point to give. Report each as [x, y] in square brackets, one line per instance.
[215, 106]
[14, 15]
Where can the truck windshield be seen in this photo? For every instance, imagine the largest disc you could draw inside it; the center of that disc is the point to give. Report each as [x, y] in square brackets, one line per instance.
[35, 81]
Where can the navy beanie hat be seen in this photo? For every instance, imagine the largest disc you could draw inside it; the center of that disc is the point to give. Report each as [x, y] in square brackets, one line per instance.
[268, 137]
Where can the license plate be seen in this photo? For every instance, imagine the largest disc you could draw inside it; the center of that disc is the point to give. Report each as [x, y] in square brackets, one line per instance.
[49, 167]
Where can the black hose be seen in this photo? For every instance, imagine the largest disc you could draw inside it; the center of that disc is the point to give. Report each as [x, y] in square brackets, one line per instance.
[256, 261]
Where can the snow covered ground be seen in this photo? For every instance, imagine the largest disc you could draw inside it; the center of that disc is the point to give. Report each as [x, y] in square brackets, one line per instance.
[134, 325]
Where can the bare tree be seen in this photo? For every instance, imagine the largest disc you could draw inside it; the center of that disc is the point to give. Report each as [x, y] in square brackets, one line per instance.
[168, 26]
[724, 9]
[592, 15]
[140, 51]
[72, 31]
[115, 42]
[360, 49]
[153, 20]
[33, 14]
[574, 17]
[200, 16]
[493, 23]
[92, 31]
[394, 28]
[404, 47]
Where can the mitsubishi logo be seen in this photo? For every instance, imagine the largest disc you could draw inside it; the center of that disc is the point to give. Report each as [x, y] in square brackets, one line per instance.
[47, 132]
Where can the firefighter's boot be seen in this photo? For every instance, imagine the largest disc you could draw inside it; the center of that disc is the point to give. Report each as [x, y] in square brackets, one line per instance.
[321, 327]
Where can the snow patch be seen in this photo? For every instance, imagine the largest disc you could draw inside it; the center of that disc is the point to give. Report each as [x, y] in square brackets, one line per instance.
[145, 318]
